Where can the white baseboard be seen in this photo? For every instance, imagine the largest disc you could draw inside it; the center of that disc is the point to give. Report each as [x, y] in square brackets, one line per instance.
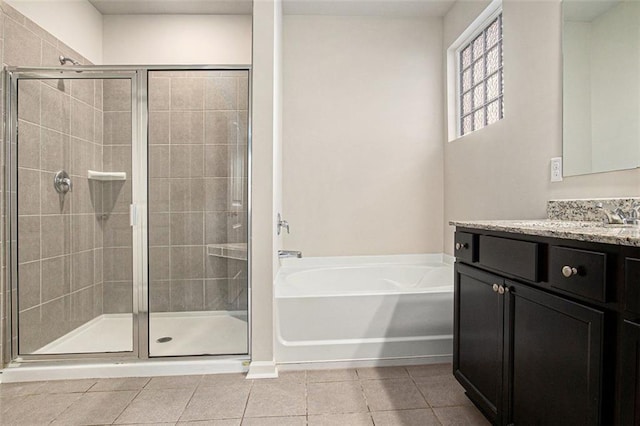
[262, 370]
[364, 363]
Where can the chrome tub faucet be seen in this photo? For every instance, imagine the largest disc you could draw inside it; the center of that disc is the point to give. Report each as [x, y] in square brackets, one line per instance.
[284, 254]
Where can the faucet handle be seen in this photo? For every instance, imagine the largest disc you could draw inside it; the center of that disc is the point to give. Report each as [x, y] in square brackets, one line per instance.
[282, 224]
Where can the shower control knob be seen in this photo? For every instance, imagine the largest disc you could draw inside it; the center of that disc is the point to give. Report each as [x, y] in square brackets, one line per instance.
[495, 288]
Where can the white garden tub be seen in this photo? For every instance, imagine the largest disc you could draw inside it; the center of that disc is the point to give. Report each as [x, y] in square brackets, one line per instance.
[364, 308]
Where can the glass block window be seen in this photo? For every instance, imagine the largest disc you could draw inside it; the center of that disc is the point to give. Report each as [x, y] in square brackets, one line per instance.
[480, 78]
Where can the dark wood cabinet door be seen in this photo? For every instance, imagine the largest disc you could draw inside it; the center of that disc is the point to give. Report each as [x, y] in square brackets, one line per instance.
[630, 375]
[478, 338]
[554, 359]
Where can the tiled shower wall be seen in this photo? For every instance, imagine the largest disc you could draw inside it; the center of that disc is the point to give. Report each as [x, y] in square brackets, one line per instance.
[197, 129]
[59, 239]
[117, 234]
[26, 44]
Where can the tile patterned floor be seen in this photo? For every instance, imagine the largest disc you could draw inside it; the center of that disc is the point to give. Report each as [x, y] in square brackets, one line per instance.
[401, 396]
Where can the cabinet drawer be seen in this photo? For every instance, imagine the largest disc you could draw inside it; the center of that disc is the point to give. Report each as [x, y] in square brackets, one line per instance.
[632, 285]
[579, 272]
[466, 246]
[519, 258]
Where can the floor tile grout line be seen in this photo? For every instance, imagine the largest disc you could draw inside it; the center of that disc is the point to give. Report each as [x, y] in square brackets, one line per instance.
[190, 399]
[129, 404]
[246, 403]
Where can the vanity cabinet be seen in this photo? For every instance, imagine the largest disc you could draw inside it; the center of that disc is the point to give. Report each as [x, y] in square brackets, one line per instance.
[525, 356]
[541, 332]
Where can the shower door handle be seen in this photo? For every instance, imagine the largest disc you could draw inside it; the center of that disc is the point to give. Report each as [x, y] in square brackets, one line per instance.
[133, 215]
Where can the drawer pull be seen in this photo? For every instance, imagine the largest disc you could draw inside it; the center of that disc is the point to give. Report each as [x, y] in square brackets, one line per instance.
[460, 246]
[569, 271]
[495, 288]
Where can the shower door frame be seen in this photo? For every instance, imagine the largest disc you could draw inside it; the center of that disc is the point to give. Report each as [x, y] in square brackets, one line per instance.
[138, 74]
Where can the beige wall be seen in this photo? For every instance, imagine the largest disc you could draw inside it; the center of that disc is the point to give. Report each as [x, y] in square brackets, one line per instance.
[177, 39]
[502, 171]
[362, 135]
[75, 22]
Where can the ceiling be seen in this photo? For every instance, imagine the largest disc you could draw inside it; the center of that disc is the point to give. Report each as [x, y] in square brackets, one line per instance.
[290, 7]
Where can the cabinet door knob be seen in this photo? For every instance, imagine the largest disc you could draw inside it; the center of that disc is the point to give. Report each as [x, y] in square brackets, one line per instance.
[495, 287]
[501, 290]
[569, 271]
[460, 246]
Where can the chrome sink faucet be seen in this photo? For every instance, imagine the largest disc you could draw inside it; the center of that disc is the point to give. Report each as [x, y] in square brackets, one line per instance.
[615, 215]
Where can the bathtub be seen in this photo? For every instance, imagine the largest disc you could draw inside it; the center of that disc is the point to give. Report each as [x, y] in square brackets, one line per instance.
[364, 308]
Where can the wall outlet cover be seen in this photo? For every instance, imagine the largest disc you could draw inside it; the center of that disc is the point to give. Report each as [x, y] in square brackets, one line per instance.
[556, 169]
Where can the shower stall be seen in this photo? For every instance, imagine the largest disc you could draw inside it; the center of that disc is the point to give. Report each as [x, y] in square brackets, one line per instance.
[128, 212]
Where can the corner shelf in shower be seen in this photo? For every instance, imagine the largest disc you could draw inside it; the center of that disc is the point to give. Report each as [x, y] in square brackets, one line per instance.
[106, 176]
[236, 251]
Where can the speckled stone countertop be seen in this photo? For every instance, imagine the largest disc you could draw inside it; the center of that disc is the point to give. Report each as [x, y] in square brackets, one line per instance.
[579, 220]
[574, 230]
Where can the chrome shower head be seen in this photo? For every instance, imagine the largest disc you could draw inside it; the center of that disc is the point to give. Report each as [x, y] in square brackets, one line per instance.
[65, 59]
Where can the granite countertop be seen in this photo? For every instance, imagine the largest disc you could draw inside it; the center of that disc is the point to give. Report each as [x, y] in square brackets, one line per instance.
[575, 230]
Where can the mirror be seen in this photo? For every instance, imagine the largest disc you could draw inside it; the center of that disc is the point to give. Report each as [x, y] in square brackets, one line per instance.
[601, 86]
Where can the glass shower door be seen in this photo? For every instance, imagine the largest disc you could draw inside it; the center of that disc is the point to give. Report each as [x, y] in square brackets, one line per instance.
[71, 189]
[198, 209]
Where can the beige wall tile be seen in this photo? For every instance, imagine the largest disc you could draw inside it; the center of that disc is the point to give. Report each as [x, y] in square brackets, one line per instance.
[187, 229]
[159, 127]
[55, 235]
[117, 128]
[117, 231]
[187, 262]
[82, 232]
[159, 161]
[187, 194]
[216, 297]
[187, 161]
[221, 93]
[159, 296]
[21, 46]
[29, 290]
[118, 297]
[117, 158]
[56, 272]
[28, 145]
[187, 127]
[159, 194]
[82, 274]
[116, 95]
[117, 264]
[187, 295]
[217, 160]
[28, 238]
[186, 94]
[28, 192]
[220, 128]
[84, 90]
[55, 151]
[216, 193]
[159, 229]
[82, 116]
[159, 263]
[55, 109]
[29, 106]
[159, 93]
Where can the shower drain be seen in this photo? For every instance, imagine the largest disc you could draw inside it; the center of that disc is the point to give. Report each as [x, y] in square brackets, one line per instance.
[164, 339]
